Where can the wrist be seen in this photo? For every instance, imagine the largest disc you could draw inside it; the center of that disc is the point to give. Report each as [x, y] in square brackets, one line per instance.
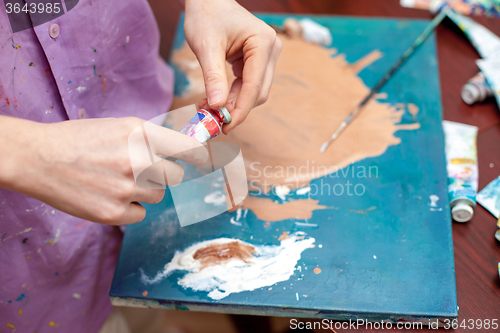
[19, 139]
[195, 3]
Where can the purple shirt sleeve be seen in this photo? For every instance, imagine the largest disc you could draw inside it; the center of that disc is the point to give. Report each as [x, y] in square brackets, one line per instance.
[100, 61]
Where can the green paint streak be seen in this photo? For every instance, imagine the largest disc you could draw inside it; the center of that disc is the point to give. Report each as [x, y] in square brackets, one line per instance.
[95, 50]
[31, 64]
[95, 73]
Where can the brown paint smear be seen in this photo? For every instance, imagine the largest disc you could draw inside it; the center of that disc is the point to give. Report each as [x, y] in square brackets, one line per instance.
[271, 211]
[283, 236]
[217, 254]
[311, 94]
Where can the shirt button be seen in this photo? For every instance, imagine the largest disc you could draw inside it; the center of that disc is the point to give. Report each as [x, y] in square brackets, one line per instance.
[54, 30]
[82, 114]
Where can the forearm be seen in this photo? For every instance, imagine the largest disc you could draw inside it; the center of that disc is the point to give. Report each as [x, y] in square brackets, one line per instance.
[18, 138]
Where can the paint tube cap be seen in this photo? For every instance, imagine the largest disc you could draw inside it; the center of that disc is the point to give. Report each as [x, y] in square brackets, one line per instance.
[471, 93]
[462, 212]
[225, 115]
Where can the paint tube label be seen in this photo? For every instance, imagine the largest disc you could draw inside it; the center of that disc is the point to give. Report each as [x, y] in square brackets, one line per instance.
[202, 127]
[491, 70]
[486, 42]
[461, 158]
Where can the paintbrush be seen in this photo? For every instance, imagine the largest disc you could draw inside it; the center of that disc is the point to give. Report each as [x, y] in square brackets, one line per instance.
[420, 39]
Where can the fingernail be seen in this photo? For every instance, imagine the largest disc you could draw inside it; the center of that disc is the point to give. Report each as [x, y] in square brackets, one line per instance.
[214, 98]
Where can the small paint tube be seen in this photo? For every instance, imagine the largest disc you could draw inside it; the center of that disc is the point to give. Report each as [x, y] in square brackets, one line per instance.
[206, 124]
[461, 165]
[203, 126]
[309, 30]
[476, 90]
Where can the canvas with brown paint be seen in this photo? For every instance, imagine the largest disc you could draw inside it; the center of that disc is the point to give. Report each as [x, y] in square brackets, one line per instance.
[314, 88]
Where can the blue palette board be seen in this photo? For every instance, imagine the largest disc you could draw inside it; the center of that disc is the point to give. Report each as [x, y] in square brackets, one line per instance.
[393, 263]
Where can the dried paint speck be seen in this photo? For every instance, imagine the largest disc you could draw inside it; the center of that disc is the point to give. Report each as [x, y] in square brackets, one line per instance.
[317, 270]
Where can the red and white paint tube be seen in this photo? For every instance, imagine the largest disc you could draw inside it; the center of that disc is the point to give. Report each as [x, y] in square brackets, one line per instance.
[476, 90]
[206, 124]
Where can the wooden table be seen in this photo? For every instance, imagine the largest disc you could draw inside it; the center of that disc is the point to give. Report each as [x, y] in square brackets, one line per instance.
[476, 251]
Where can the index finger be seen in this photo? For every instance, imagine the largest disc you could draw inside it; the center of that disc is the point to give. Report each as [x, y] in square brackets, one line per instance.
[254, 69]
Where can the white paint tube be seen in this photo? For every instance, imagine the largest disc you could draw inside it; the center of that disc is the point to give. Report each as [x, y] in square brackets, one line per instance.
[461, 165]
[476, 90]
[309, 30]
[491, 69]
[486, 42]
[487, 45]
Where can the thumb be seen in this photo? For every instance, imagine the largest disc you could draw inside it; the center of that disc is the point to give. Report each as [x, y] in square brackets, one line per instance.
[213, 65]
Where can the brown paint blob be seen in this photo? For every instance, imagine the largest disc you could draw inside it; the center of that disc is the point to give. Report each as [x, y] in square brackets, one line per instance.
[220, 253]
[283, 236]
[268, 210]
[413, 110]
[363, 211]
[145, 293]
[312, 93]
[317, 270]
[367, 60]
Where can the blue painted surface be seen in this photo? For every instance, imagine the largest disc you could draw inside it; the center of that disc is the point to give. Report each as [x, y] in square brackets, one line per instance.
[413, 273]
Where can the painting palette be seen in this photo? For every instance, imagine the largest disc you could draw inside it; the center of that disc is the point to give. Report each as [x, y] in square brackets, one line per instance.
[383, 254]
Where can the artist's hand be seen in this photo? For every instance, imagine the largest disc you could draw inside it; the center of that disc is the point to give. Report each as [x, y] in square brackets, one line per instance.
[220, 30]
[84, 168]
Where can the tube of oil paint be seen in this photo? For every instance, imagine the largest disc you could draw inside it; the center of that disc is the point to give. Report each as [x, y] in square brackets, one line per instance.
[486, 42]
[206, 124]
[203, 126]
[491, 69]
[461, 165]
[476, 90]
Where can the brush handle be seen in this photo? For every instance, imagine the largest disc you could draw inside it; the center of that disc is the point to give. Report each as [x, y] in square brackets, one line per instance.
[420, 39]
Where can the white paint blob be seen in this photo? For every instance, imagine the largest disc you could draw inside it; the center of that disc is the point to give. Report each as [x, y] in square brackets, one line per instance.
[238, 216]
[303, 190]
[282, 191]
[271, 264]
[216, 198]
[434, 199]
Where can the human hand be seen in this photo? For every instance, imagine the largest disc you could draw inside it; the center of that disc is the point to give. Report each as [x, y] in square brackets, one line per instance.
[220, 30]
[84, 168]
